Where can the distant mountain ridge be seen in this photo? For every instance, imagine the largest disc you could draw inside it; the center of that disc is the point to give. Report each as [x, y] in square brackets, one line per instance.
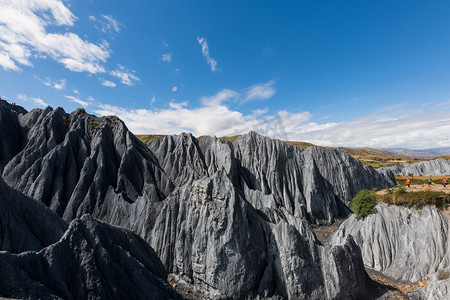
[423, 153]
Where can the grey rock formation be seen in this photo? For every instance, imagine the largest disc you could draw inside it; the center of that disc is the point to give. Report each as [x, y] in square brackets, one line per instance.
[437, 288]
[26, 224]
[92, 260]
[435, 167]
[315, 183]
[403, 243]
[232, 219]
[42, 257]
[70, 161]
[11, 137]
[207, 233]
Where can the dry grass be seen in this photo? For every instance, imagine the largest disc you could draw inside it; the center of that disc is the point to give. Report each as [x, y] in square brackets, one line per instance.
[148, 138]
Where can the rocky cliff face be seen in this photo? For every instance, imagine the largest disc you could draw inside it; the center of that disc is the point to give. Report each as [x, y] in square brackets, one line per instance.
[26, 224]
[70, 161]
[232, 219]
[435, 167]
[403, 243]
[42, 257]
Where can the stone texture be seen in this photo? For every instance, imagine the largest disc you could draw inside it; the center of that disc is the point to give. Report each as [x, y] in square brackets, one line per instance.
[70, 161]
[402, 243]
[232, 219]
[437, 288]
[41, 256]
[435, 167]
[26, 224]
[92, 260]
[207, 233]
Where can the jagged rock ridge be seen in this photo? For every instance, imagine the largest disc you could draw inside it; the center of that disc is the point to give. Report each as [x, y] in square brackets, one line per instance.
[232, 219]
[435, 167]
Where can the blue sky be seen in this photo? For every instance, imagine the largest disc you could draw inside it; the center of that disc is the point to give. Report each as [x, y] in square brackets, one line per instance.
[337, 73]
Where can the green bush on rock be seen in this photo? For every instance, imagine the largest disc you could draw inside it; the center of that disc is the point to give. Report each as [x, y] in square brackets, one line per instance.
[363, 204]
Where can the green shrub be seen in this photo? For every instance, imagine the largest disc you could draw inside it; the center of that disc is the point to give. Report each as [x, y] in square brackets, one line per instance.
[363, 204]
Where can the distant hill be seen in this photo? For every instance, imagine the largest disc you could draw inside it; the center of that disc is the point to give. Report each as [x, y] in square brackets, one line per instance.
[424, 153]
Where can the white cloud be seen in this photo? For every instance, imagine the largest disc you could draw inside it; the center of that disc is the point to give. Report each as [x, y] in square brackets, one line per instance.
[218, 98]
[432, 131]
[205, 51]
[35, 100]
[260, 112]
[166, 57]
[76, 92]
[7, 63]
[76, 100]
[260, 91]
[178, 118]
[23, 34]
[58, 84]
[213, 117]
[412, 129]
[107, 24]
[107, 83]
[112, 24]
[125, 76]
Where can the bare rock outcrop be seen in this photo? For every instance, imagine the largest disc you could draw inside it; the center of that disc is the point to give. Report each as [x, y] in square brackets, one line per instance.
[435, 167]
[438, 288]
[403, 243]
[70, 161]
[26, 224]
[232, 219]
[41, 256]
[207, 233]
[92, 260]
[314, 183]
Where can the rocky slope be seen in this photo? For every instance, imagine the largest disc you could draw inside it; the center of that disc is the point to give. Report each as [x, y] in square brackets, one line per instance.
[231, 219]
[42, 257]
[403, 243]
[435, 167]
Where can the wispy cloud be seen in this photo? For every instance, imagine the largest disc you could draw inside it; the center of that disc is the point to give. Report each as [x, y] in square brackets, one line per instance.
[217, 99]
[107, 83]
[267, 52]
[260, 91]
[76, 100]
[125, 76]
[107, 24]
[23, 35]
[34, 100]
[57, 84]
[205, 51]
[167, 57]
